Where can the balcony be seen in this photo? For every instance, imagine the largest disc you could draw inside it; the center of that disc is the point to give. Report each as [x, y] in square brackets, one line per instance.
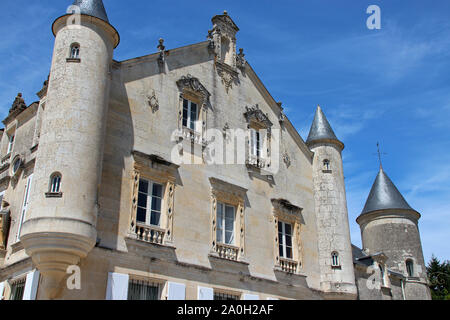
[288, 265]
[191, 135]
[227, 252]
[256, 161]
[151, 234]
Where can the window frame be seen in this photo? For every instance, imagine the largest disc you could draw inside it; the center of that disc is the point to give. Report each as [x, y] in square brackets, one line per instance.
[13, 287]
[149, 203]
[224, 207]
[72, 47]
[220, 293]
[11, 140]
[52, 188]
[409, 263]
[287, 213]
[148, 283]
[25, 204]
[230, 195]
[157, 170]
[282, 241]
[189, 121]
[335, 259]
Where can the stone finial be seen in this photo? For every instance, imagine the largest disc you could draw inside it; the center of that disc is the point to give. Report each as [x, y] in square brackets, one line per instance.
[225, 12]
[161, 48]
[18, 104]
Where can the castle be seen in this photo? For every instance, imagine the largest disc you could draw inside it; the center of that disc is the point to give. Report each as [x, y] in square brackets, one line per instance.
[92, 184]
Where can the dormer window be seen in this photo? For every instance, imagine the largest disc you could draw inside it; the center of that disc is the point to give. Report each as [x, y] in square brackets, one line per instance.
[410, 267]
[75, 51]
[259, 136]
[335, 259]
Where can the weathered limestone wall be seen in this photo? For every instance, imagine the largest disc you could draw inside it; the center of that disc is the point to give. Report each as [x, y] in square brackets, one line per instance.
[133, 126]
[332, 221]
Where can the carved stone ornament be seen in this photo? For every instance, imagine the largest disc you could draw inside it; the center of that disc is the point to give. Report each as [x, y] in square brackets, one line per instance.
[153, 102]
[227, 74]
[254, 114]
[43, 92]
[18, 105]
[193, 84]
[161, 48]
[240, 59]
[286, 159]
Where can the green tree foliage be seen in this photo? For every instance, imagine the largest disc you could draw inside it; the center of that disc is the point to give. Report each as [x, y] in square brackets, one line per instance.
[439, 278]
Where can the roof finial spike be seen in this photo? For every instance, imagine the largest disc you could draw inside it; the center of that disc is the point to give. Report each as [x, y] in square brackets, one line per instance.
[379, 155]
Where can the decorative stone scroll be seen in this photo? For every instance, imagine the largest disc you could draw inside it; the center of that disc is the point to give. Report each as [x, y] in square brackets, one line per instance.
[254, 114]
[192, 84]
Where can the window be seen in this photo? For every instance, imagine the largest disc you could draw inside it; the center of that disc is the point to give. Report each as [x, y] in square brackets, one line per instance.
[55, 183]
[149, 202]
[190, 114]
[335, 259]
[225, 223]
[17, 289]
[227, 220]
[10, 143]
[255, 143]
[16, 165]
[382, 275]
[2, 195]
[410, 267]
[143, 290]
[75, 51]
[225, 296]
[26, 202]
[326, 165]
[285, 239]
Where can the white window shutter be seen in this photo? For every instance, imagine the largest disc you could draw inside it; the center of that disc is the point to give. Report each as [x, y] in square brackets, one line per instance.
[2, 289]
[117, 288]
[176, 291]
[31, 285]
[251, 297]
[205, 293]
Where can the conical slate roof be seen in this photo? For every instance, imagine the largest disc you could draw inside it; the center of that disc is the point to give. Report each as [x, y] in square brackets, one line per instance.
[94, 8]
[320, 128]
[384, 195]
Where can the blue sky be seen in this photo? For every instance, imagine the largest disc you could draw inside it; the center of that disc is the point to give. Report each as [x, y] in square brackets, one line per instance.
[390, 85]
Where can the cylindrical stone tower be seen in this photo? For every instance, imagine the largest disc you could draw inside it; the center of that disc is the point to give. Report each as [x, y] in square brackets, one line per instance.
[335, 250]
[60, 227]
[389, 225]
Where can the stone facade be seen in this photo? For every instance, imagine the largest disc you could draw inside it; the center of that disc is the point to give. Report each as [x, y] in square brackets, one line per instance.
[104, 126]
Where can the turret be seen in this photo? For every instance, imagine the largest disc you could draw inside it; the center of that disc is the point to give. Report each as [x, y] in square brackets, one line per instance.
[60, 226]
[337, 279]
[389, 225]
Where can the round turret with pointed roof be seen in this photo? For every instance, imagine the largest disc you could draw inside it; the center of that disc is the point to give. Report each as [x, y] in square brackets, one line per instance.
[321, 131]
[384, 195]
[89, 8]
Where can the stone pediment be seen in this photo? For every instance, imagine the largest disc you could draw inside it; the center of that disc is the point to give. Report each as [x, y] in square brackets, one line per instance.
[254, 114]
[191, 83]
